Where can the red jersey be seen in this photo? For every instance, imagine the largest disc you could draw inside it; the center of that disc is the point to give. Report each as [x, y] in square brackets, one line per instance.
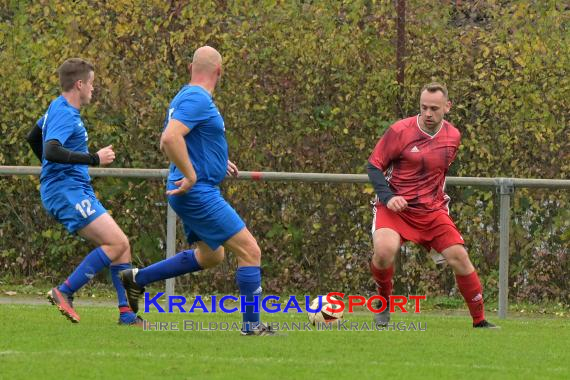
[415, 163]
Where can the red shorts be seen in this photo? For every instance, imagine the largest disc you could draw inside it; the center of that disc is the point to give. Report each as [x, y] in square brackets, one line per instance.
[433, 229]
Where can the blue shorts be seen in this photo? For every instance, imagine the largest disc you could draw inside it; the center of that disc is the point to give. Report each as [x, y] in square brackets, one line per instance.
[205, 214]
[74, 206]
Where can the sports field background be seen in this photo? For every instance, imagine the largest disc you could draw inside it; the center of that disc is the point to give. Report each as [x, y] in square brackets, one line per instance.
[309, 86]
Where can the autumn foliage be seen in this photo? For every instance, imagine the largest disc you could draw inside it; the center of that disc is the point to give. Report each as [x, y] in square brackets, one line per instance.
[309, 86]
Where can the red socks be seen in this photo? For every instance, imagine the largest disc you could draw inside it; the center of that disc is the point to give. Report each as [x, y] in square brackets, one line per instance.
[383, 279]
[470, 288]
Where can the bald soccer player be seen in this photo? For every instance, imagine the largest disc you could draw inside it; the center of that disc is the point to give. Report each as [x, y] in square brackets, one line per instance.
[194, 140]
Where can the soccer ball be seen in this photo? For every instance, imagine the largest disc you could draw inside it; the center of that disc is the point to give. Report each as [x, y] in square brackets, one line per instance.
[324, 316]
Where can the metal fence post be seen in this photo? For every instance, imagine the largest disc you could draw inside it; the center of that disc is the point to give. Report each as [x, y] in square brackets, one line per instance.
[505, 189]
[170, 244]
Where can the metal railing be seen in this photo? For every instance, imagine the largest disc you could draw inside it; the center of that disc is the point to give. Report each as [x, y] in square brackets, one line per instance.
[504, 186]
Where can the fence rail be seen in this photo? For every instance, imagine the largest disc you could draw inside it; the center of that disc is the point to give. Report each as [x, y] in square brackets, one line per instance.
[504, 187]
[303, 177]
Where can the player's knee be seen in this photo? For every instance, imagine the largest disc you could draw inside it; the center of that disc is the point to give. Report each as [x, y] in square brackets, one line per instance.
[247, 250]
[457, 254]
[124, 245]
[121, 248]
[253, 252]
[463, 257]
[458, 259]
[465, 262]
[384, 254]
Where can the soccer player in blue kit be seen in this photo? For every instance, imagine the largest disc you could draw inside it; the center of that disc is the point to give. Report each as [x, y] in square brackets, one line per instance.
[194, 141]
[59, 139]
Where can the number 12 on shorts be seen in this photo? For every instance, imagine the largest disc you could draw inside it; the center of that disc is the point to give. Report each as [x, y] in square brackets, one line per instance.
[84, 208]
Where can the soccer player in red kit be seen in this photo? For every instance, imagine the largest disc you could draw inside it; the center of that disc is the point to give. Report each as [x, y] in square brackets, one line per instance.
[407, 169]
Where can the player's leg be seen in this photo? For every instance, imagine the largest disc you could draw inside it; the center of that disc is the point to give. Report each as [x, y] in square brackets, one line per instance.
[223, 226]
[387, 244]
[107, 235]
[77, 209]
[188, 261]
[112, 246]
[112, 241]
[194, 211]
[468, 283]
[458, 259]
[214, 222]
[448, 241]
[467, 280]
[248, 278]
[244, 245]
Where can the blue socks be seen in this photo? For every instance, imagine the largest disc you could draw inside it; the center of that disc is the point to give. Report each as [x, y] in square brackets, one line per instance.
[249, 282]
[121, 292]
[93, 263]
[181, 263]
[126, 315]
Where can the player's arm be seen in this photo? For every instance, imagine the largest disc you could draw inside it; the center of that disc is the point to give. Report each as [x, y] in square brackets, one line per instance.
[385, 195]
[34, 139]
[55, 152]
[385, 152]
[172, 143]
[379, 183]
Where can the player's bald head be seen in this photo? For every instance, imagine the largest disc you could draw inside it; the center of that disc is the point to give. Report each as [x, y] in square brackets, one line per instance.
[206, 60]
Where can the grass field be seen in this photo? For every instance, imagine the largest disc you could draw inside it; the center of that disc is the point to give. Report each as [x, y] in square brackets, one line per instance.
[36, 342]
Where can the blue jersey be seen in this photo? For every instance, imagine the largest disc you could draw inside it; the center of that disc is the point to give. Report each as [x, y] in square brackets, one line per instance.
[206, 142]
[63, 123]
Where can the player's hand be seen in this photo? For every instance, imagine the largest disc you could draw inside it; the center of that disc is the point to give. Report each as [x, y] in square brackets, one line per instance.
[397, 204]
[106, 155]
[184, 185]
[232, 169]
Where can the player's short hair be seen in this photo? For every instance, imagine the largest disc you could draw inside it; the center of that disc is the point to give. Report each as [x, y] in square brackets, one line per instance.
[435, 87]
[72, 70]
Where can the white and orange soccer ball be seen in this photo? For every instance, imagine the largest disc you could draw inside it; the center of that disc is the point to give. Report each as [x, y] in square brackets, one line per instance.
[324, 316]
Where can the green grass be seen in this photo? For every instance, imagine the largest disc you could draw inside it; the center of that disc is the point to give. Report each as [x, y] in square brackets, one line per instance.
[37, 342]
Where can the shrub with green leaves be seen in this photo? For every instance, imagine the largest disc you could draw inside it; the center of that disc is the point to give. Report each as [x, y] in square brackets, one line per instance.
[309, 86]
